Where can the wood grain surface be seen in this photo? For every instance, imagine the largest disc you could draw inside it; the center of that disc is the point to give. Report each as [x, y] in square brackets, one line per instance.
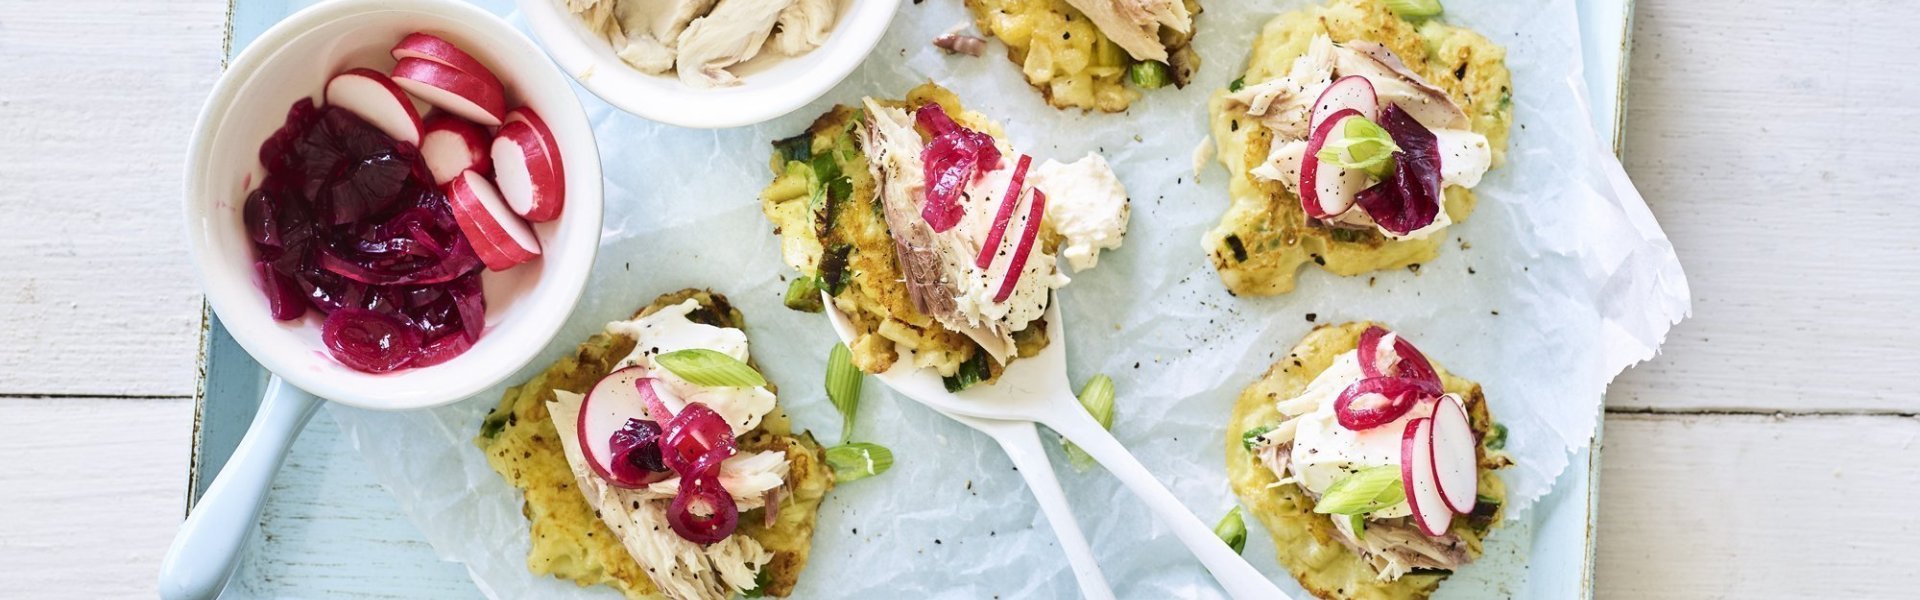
[1768, 135]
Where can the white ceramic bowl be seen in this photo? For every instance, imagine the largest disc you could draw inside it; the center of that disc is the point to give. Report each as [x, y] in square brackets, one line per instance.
[525, 305]
[762, 95]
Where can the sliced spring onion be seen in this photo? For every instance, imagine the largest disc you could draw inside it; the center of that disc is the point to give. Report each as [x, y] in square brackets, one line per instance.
[1366, 146]
[1414, 9]
[1233, 530]
[860, 460]
[1251, 438]
[843, 387]
[1365, 491]
[1149, 74]
[709, 368]
[1358, 523]
[1238, 83]
[1097, 398]
[803, 294]
[1497, 439]
[973, 371]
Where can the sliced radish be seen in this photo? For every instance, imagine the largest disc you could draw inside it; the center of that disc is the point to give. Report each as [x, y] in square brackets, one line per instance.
[1035, 213]
[452, 90]
[525, 173]
[1430, 511]
[501, 239]
[375, 98]
[427, 46]
[1454, 460]
[1352, 91]
[452, 145]
[603, 413]
[1005, 213]
[1328, 190]
[547, 141]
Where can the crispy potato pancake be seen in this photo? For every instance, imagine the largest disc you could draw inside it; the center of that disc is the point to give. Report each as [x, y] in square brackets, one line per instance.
[1264, 238]
[825, 207]
[570, 541]
[1307, 543]
[1067, 59]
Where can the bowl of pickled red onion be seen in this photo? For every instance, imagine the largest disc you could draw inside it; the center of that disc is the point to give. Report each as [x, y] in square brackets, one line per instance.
[396, 277]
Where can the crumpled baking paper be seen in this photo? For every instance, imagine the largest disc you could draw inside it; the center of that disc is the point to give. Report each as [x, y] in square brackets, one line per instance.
[1558, 281]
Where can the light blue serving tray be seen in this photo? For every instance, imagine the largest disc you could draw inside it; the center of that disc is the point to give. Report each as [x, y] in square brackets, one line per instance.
[330, 531]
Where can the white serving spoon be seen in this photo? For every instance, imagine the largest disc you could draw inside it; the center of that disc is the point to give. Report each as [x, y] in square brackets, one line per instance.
[1021, 441]
[1035, 389]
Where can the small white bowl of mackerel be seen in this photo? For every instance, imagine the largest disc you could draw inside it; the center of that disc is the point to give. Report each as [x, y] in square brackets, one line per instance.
[706, 63]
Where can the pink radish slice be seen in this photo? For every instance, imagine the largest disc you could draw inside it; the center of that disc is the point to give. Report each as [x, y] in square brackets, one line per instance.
[452, 145]
[504, 239]
[1430, 510]
[604, 412]
[1005, 213]
[1352, 91]
[1454, 460]
[375, 98]
[1327, 190]
[525, 173]
[452, 90]
[547, 141]
[427, 46]
[1035, 212]
[1384, 353]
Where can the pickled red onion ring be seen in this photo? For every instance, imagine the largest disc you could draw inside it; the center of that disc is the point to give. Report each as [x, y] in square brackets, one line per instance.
[695, 433]
[1376, 401]
[950, 160]
[1408, 361]
[706, 492]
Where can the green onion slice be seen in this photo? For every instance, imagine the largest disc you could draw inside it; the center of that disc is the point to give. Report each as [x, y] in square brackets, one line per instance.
[1414, 9]
[1368, 490]
[1149, 74]
[710, 368]
[1097, 398]
[1366, 146]
[860, 460]
[843, 388]
[1233, 530]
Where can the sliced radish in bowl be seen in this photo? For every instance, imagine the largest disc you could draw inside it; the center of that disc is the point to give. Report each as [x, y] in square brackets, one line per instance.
[1352, 91]
[525, 173]
[1327, 190]
[604, 414]
[452, 90]
[1454, 460]
[501, 239]
[427, 46]
[452, 145]
[375, 98]
[1430, 510]
[547, 141]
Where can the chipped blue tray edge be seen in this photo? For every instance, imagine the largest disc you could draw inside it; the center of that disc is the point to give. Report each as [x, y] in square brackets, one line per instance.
[230, 382]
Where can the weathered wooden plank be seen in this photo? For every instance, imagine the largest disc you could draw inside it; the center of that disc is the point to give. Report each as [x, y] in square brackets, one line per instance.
[1707, 506]
[97, 100]
[1771, 138]
[92, 490]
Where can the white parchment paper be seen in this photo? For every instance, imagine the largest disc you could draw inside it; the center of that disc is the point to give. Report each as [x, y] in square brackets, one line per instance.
[1558, 281]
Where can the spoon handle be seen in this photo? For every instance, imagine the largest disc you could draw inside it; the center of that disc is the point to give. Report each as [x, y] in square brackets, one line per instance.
[207, 547]
[1233, 572]
[1021, 441]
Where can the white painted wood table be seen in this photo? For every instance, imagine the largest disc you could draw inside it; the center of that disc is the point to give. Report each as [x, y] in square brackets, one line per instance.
[1769, 453]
